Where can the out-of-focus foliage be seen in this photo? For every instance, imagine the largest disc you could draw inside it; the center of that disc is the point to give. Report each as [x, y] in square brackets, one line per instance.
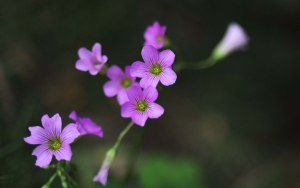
[163, 171]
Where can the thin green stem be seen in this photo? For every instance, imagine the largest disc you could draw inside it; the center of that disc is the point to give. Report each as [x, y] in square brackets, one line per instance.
[122, 134]
[195, 65]
[47, 185]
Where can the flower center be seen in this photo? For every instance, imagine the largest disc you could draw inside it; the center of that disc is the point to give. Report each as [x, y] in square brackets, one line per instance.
[156, 69]
[159, 38]
[126, 82]
[141, 106]
[97, 63]
[54, 144]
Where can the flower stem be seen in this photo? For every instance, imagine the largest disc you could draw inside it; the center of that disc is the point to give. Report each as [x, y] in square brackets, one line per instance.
[47, 185]
[122, 134]
[195, 65]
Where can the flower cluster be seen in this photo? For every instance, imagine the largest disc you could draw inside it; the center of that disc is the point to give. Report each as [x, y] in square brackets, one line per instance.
[136, 92]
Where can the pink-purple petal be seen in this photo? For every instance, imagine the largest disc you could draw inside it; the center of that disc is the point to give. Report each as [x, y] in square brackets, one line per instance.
[87, 126]
[115, 73]
[166, 58]
[84, 53]
[155, 110]
[97, 50]
[103, 59]
[52, 125]
[134, 93]
[150, 55]
[127, 109]
[149, 80]
[64, 153]
[38, 136]
[112, 88]
[73, 115]
[138, 69]
[139, 118]
[93, 71]
[122, 97]
[83, 64]
[102, 175]
[150, 94]
[69, 133]
[128, 73]
[168, 77]
[43, 154]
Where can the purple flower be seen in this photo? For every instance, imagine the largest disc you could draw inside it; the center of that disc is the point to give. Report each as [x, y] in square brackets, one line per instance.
[91, 61]
[155, 35]
[141, 105]
[157, 67]
[52, 140]
[235, 38]
[86, 125]
[118, 84]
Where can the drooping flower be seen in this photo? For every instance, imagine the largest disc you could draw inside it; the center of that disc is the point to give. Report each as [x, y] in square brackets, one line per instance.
[86, 125]
[235, 39]
[141, 105]
[51, 140]
[91, 61]
[118, 84]
[103, 172]
[155, 35]
[157, 67]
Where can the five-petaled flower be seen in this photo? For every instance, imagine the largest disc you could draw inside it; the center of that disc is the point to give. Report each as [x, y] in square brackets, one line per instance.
[141, 105]
[118, 84]
[157, 67]
[155, 35]
[91, 61]
[52, 140]
[86, 125]
[235, 39]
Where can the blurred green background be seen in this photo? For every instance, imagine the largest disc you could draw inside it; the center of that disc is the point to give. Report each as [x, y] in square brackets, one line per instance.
[234, 125]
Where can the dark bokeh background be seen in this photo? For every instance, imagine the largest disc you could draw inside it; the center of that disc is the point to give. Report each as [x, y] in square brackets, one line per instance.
[233, 125]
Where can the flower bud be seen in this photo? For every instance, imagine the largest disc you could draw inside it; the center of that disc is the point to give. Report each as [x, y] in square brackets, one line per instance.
[103, 172]
[234, 39]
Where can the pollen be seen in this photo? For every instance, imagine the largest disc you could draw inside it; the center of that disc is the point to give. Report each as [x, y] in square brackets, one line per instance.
[156, 69]
[159, 38]
[141, 106]
[97, 63]
[54, 144]
[126, 82]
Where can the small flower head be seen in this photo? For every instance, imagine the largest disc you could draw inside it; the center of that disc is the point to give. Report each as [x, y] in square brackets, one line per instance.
[51, 140]
[86, 125]
[141, 105]
[119, 83]
[157, 67]
[91, 61]
[234, 39]
[155, 35]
